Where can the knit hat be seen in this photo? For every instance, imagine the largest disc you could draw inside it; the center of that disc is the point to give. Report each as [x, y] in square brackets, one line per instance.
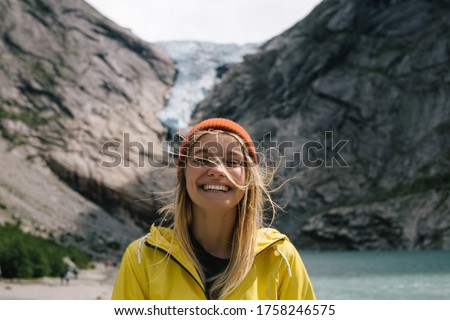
[217, 124]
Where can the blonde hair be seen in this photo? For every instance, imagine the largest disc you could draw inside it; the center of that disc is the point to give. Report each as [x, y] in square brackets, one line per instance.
[250, 218]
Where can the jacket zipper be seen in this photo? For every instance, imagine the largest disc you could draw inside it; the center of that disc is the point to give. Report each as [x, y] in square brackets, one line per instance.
[180, 264]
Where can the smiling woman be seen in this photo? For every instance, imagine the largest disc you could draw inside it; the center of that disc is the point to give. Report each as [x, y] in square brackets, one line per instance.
[217, 246]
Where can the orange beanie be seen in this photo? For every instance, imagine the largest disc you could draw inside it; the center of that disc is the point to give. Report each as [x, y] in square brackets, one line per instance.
[218, 124]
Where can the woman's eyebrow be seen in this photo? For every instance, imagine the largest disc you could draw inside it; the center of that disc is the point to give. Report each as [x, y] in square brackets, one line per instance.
[212, 151]
[202, 151]
[235, 151]
[235, 154]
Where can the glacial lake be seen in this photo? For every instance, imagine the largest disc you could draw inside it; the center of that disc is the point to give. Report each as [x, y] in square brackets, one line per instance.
[379, 275]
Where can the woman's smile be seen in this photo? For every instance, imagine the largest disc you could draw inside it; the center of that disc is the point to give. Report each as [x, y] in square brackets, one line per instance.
[215, 188]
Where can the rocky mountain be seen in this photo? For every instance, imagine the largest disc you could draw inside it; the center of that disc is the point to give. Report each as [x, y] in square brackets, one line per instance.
[79, 96]
[353, 102]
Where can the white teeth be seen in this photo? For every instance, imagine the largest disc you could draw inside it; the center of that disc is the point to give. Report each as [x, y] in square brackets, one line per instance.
[208, 187]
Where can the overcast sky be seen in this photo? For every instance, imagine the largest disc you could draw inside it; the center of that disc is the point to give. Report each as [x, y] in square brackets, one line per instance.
[221, 21]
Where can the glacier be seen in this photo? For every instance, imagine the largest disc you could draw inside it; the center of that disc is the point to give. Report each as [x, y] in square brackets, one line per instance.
[198, 70]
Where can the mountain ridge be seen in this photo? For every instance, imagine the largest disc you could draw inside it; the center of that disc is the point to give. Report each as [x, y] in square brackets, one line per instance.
[83, 151]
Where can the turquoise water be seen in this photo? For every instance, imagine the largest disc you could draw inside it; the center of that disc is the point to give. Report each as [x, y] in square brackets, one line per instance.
[380, 275]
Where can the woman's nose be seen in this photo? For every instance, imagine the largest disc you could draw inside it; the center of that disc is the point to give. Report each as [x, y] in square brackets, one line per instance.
[216, 169]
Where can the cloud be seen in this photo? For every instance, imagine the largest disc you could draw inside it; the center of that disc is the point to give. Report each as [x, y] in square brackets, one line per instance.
[223, 21]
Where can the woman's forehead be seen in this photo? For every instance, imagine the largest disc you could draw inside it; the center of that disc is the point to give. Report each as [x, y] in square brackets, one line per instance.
[216, 143]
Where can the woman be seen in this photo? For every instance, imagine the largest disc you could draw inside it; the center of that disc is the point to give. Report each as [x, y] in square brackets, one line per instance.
[216, 247]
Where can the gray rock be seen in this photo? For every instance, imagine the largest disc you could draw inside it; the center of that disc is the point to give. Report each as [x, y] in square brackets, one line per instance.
[375, 75]
[31, 195]
[74, 88]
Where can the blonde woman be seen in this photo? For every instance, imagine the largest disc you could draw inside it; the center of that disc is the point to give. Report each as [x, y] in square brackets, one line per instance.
[217, 247]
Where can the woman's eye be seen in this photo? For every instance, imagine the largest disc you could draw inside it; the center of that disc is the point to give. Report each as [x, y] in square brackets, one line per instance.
[206, 162]
[233, 163]
[210, 162]
[200, 161]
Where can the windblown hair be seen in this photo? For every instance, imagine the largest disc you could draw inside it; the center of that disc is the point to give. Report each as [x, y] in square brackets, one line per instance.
[250, 217]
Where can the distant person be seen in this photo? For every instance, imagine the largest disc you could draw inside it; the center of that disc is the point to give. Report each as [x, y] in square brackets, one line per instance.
[62, 276]
[216, 247]
[75, 272]
[108, 263]
[65, 277]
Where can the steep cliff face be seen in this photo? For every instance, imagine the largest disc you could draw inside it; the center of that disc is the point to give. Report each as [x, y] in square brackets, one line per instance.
[81, 93]
[356, 98]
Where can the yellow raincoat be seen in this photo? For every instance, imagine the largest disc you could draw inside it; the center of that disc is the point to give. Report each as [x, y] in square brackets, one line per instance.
[155, 267]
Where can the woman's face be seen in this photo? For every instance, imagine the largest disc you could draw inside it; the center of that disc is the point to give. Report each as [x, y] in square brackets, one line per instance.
[206, 180]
